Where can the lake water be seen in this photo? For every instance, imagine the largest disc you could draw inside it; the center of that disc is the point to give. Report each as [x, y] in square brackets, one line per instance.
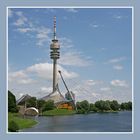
[95, 122]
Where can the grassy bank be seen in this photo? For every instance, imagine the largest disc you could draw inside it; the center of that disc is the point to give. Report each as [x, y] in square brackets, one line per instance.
[58, 112]
[21, 122]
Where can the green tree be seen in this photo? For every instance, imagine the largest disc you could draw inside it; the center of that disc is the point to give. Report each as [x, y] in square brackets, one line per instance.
[49, 105]
[129, 105]
[78, 105]
[114, 105]
[102, 105]
[126, 106]
[93, 107]
[40, 105]
[32, 102]
[83, 107]
[12, 107]
[106, 106]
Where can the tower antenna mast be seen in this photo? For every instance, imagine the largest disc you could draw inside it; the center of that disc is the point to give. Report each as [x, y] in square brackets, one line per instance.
[54, 32]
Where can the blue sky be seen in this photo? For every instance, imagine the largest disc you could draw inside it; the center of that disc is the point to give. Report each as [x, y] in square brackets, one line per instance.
[95, 55]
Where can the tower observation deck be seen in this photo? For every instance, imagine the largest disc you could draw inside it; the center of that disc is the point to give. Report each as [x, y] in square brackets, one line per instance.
[54, 55]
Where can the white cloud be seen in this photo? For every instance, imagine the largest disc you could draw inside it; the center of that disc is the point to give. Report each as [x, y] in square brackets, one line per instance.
[67, 74]
[42, 35]
[24, 25]
[118, 67]
[22, 20]
[19, 74]
[94, 94]
[24, 30]
[72, 10]
[26, 81]
[119, 83]
[94, 25]
[92, 82]
[65, 42]
[74, 59]
[44, 70]
[116, 60]
[46, 89]
[117, 16]
[20, 77]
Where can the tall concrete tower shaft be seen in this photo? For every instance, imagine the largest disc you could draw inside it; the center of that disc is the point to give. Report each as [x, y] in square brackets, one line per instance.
[54, 55]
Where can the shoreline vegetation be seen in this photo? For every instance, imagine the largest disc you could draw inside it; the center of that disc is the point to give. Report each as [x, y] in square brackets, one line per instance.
[17, 122]
[48, 108]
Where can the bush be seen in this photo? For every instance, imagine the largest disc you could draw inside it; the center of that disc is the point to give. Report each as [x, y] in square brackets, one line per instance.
[13, 126]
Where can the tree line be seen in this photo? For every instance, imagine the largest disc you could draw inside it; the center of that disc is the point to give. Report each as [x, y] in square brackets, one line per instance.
[102, 106]
[81, 107]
